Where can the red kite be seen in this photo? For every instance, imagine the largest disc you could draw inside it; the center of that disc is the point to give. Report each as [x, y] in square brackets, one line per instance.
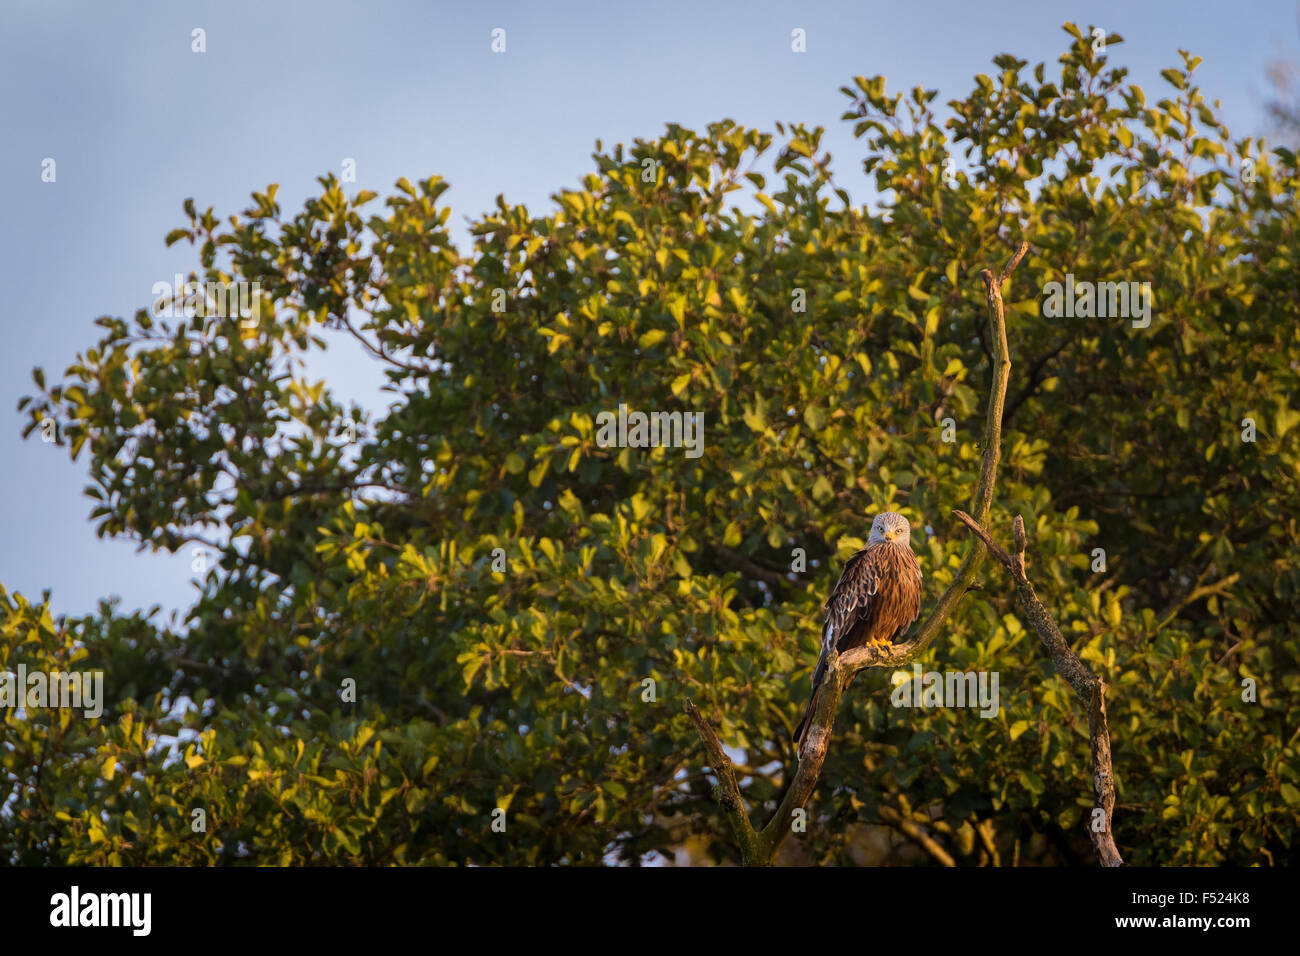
[875, 600]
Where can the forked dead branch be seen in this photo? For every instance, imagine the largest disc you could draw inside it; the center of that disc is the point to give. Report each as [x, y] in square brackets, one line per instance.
[1090, 688]
[760, 847]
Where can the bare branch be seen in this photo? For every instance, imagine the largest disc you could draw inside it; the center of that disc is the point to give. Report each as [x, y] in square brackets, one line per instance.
[727, 790]
[378, 350]
[984, 536]
[840, 669]
[1088, 687]
[1010, 267]
[985, 832]
[911, 829]
[1200, 591]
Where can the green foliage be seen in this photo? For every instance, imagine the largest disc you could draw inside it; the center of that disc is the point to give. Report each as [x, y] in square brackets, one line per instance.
[523, 689]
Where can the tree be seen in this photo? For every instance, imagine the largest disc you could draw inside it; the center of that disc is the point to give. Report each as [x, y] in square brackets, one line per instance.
[468, 634]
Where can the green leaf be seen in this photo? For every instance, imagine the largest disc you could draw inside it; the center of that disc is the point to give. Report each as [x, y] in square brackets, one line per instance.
[1032, 782]
[651, 338]
[1284, 420]
[538, 473]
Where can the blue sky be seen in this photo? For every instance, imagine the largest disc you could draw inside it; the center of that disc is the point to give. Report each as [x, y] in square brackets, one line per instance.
[136, 122]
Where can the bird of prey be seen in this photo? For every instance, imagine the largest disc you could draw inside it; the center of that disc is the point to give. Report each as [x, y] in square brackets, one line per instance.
[875, 600]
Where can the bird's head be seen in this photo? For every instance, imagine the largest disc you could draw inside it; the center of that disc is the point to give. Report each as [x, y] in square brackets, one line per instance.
[891, 526]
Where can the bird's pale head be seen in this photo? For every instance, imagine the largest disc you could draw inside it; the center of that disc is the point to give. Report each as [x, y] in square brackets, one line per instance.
[891, 526]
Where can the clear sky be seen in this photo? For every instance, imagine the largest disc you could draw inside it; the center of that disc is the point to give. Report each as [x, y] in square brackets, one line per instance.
[136, 122]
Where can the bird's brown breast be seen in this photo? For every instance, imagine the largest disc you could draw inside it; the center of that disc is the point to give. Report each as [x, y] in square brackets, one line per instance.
[893, 573]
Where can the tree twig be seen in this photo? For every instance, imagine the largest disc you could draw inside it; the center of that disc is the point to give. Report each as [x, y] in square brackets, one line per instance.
[378, 350]
[1198, 592]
